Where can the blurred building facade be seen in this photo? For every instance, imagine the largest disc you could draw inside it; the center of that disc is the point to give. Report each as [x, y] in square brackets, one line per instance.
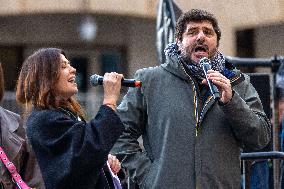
[107, 35]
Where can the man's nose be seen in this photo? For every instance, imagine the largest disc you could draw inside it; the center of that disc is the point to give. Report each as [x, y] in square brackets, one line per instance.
[200, 35]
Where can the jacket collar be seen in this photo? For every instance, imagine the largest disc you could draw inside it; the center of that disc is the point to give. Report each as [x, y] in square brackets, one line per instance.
[174, 66]
[9, 119]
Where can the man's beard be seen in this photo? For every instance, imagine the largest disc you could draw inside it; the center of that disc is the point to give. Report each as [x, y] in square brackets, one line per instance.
[186, 52]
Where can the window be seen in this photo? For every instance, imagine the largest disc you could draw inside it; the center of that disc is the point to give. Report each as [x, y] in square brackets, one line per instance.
[11, 59]
[112, 61]
[245, 46]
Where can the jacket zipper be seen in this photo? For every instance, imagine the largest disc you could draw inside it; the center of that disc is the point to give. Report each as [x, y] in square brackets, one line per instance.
[196, 113]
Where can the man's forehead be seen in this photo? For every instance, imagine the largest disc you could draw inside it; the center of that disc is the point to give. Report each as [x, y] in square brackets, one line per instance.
[197, 24]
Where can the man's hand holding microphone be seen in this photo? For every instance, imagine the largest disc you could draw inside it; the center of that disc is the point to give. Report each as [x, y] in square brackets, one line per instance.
[220, 86]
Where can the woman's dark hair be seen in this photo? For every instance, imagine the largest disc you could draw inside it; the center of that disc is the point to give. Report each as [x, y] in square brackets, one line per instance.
[37, 79]
[196, 15]
[2, 89]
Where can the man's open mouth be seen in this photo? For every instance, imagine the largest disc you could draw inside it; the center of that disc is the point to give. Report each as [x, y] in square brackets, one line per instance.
[201, 48]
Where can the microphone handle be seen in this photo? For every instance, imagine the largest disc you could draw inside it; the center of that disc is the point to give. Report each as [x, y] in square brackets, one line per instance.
[129, 83]
[124, 82]
[213, 89]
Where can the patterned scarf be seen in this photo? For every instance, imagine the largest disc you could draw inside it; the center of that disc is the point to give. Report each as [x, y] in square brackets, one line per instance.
[217, 63]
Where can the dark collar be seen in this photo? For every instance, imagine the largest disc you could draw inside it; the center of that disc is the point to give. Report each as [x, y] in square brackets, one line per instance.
[71, 114]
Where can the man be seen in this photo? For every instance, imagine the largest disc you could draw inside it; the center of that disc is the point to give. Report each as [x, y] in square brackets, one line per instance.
[190, 140]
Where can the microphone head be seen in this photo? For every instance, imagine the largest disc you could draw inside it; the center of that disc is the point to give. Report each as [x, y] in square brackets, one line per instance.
[94, 80]
[204, 60]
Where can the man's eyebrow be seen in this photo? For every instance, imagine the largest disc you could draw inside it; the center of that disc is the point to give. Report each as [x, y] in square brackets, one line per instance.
[208, 28]
[191, 27]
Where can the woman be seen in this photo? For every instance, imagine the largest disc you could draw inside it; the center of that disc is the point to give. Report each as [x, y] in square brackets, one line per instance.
[71, 153]
[13, 142]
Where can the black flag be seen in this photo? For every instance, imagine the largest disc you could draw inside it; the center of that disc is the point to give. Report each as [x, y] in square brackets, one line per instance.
[166, 21]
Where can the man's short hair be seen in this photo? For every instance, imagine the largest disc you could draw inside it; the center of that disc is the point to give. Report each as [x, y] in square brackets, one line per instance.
[196, 15]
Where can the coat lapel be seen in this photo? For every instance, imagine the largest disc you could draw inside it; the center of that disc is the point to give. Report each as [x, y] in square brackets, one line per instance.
[11, 143]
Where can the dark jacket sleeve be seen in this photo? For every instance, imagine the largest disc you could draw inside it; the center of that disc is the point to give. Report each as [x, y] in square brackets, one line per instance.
[249, 123]
[68, 150]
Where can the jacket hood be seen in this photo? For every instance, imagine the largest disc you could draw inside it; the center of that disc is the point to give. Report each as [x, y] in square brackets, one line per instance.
[173, 62]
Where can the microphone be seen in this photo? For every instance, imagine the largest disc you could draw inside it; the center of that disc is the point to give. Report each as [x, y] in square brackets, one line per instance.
[205, 64]
[96, 80]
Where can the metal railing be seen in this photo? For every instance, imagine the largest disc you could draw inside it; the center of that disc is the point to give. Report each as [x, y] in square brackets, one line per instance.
[262, 155]
[272, 155]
